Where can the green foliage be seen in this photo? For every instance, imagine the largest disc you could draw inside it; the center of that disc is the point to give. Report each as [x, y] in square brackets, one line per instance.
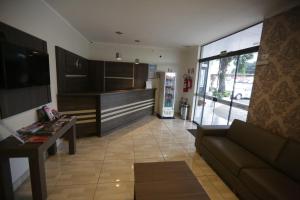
[220, 95]
[243, 65]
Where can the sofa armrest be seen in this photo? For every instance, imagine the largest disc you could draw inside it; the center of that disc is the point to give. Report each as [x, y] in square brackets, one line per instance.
[210, 130]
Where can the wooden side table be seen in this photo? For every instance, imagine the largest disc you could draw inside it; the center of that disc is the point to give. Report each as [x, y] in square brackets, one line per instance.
[12, 148]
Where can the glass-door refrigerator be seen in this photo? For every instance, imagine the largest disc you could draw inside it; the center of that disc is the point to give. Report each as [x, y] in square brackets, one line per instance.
[167, 89]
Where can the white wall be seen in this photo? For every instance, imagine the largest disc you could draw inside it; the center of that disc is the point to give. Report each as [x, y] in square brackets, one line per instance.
[191, 61]
[36, 18]
[171, 58]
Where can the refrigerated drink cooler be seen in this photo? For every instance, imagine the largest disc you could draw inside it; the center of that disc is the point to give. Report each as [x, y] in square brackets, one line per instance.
[167, 88]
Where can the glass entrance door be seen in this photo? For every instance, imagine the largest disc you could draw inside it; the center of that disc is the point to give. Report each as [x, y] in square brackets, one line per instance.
[243, 86]
[224, 89]
[200, 92]
[219, 89]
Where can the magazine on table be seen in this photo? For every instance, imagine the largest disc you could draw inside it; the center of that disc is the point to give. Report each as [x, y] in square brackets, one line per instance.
[8, 131]
[23, 138]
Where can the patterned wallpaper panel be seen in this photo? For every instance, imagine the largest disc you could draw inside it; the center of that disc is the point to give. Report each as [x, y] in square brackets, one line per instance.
[275, 103]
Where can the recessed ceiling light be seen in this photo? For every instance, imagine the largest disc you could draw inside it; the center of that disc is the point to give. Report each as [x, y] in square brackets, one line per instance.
[119, 33]
[137, 41]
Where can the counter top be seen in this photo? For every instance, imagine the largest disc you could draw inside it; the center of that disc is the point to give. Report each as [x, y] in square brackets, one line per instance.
[102, 93]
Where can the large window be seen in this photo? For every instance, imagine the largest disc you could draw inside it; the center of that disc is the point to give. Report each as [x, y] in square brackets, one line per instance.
[225, 79]
[241, 40]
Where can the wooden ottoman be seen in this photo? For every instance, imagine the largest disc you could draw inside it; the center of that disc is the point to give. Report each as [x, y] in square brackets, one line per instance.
[166, 181]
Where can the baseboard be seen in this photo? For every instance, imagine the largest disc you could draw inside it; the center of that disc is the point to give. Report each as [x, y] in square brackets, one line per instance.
[21, 180]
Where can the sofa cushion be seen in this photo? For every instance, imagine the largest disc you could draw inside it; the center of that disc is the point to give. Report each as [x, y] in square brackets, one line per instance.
[231, 155]
[289, 160]
[254, 139]
[270, 184]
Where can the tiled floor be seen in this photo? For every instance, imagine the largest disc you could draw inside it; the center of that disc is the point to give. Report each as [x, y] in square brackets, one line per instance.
[102, 168]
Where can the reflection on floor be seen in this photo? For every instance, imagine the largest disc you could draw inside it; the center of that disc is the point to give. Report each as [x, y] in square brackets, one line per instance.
[217, 113]
[102, 169]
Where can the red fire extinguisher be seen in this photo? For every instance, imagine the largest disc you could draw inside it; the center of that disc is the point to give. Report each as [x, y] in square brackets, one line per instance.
[185, 83]
[190, 82]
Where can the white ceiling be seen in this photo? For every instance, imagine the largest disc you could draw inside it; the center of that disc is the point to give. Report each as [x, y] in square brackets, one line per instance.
[165, 23]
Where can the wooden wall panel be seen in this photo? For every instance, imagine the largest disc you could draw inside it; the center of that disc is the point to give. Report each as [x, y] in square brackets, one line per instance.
[120, 108]
[110, 100]
[140, 75]
[109, 126]
[96, 75]
[85, 108]
[112, 84]
[118, 69]
[76, 102]
[71, 78]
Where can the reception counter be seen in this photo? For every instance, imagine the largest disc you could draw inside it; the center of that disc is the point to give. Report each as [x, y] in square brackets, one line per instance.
[100, 113]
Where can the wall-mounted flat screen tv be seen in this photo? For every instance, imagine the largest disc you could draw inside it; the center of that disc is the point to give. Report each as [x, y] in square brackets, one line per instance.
[22, 67]
[24, 79]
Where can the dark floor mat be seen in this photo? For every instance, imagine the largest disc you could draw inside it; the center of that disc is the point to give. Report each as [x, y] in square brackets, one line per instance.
[193, 132]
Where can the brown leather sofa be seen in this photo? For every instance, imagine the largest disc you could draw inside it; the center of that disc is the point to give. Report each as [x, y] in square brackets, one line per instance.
[253, 162]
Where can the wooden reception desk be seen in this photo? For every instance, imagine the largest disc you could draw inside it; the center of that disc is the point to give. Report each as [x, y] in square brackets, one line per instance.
[100, 113]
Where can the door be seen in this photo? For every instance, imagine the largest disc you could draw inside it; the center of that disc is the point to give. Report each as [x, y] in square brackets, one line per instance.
[220, 90]
[224, 89]
[243, 86]
[200, 94]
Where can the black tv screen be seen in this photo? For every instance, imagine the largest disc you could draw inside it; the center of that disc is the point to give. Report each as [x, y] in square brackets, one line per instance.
[22, 67]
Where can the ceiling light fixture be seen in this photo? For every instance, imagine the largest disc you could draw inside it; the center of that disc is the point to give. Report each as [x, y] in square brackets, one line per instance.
[119, 33]
[137, 61]
[118, 56]
[137, 41]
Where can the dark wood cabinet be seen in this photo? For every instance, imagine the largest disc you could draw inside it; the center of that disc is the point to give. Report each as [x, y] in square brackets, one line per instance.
[60, 63]
[140, 75]
[96, 75]
[112, 84]
[72, 72]
[75, 65]
[77, 74]
[70, 60]
[119, 69]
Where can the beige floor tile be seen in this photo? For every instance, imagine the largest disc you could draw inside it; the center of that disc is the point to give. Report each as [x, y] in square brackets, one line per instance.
[209, 188]
[145, 147]
[221, 187]
[73, 192]
[86, 153]
[24, 192]
[165, 139]
[79, 172]
[199, 170]
[114, 191]
[112, 176]
[145, 160]
[119, 155]
[103, 167]
[118, 164]
[116, 170]
[148, 154]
